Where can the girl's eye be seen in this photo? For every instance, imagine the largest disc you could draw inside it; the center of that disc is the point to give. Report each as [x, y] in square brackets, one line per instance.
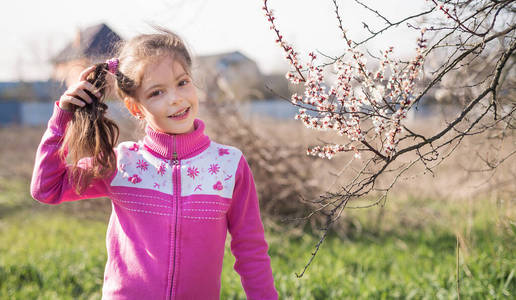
[155, 93]
[183, 82]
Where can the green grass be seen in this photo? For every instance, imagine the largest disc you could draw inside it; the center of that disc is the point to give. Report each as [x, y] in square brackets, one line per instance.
[48, 253]
[51, 257]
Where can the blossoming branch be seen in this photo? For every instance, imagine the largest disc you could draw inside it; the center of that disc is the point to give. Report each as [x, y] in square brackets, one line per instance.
[360, 100]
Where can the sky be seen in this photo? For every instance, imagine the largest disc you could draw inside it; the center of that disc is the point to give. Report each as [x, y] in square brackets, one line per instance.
[34, 31]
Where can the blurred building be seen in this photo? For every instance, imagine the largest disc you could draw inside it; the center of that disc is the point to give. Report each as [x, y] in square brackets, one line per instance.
[224, 76]
[229, 75]
[91, 45]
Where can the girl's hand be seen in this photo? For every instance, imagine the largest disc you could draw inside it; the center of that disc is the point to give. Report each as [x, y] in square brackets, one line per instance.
[76, 95]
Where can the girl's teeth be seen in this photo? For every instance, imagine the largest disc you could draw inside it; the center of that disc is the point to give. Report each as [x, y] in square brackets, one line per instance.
[180, 114]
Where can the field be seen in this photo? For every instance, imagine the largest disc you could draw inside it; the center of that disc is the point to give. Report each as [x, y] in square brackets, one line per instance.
[415, 247]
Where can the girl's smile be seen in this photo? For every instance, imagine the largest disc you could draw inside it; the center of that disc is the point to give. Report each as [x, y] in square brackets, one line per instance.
[182, 114]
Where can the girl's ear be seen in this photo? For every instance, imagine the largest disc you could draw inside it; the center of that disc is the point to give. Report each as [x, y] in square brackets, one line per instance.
[132, 106]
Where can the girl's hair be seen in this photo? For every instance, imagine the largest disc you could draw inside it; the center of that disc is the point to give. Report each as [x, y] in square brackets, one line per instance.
[90, 133]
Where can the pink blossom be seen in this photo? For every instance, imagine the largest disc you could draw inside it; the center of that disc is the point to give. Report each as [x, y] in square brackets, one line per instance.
[135, 147]
[156, 185]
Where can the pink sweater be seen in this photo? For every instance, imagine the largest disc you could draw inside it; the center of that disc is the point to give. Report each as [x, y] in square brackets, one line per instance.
[174, 197]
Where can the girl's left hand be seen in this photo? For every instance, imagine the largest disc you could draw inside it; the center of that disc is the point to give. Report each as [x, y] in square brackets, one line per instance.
[76, 94]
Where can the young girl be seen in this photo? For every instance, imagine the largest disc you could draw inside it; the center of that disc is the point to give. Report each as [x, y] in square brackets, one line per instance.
[175, 193]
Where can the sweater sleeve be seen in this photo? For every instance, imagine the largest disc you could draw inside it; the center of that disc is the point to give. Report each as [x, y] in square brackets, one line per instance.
[50, 182]
[248, 243]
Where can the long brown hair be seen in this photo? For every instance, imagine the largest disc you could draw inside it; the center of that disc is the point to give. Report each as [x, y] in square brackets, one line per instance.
[90, 134]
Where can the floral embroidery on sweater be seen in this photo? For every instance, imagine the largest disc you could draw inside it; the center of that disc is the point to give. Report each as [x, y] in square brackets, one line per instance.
[218, 186]
[193, 172]
[214, 169]
[212, 172]
[141, 169]
[134, 179]
[141, 164]
[223, 151]
[162, 169]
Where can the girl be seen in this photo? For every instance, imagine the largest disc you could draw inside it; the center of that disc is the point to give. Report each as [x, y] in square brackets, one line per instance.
[175, 193]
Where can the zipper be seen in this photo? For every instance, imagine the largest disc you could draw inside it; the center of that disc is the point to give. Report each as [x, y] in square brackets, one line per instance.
[175, 165]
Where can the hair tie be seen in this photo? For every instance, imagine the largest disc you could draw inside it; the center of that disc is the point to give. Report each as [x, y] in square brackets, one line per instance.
[112, 65]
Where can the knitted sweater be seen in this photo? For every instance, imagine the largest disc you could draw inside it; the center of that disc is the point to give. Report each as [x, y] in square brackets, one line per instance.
[174, 197]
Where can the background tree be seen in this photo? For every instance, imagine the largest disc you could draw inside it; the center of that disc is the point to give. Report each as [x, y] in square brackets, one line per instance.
[465, 52]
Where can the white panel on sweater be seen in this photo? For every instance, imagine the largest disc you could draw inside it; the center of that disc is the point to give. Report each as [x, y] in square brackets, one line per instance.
[212, 172]
[137, 167]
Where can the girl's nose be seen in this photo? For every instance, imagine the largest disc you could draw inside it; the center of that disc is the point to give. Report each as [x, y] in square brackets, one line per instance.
[174, 98]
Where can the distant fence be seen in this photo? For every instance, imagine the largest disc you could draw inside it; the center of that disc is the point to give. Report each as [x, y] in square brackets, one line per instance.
[22, 113]
[37, 113]
[10, 112]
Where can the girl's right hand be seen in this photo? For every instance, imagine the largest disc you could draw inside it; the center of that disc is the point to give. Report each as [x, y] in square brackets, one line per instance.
[76, 95]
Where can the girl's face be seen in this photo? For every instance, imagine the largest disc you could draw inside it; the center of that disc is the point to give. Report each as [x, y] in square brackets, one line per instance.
[167, 97]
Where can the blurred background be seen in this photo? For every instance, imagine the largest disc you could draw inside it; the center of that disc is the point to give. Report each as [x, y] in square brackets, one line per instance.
[433, 228]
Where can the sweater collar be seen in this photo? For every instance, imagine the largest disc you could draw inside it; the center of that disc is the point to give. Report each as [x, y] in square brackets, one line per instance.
[186, 145]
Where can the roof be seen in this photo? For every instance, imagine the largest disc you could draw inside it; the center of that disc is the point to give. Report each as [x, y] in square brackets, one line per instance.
[94, 41]
[226, 58]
